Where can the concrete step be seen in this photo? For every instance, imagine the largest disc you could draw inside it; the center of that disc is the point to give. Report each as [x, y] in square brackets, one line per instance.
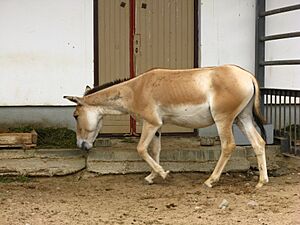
[41, 162]
[178, 155]
[106, 161]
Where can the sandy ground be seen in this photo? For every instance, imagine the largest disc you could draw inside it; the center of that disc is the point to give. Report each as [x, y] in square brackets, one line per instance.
[125, 199]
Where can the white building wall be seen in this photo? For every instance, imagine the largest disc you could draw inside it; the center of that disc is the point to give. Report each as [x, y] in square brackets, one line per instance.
[46, 46]
[282, 76]
[228, 36]
[46, 50]
[228, 33]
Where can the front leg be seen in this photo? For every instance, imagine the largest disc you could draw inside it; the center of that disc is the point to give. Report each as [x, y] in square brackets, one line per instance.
[156, 147]
[148, 133]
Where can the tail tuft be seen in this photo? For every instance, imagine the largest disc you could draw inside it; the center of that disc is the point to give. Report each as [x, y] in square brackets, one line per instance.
[260, 123]
[258, 118]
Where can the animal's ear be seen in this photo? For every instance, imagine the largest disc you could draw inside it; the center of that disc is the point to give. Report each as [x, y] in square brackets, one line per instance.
[87, 89]
[77, 100]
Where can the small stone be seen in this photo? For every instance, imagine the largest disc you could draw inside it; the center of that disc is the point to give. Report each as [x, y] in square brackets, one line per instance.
[242, 176]
[224, 204]
[247, 184]
[172, 205]
[197, 207]
[252, 204]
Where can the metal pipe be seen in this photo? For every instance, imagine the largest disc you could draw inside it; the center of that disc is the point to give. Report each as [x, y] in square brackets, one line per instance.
[280, 112]
[280, 10]
[284, 114]
[275, 119]
[295, 124]
[297, 150]
[260, 45]
[280, 62]
[280, 36]
[267, 108]
[271, 109]
[290, 120]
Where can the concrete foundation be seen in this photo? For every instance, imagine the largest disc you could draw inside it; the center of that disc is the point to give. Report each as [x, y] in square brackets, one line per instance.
[122, 158]
[40, 116]
[43, 162]
[128, 161]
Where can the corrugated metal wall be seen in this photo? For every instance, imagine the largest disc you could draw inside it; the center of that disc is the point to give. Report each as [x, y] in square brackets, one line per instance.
[113, 53]
[164, 38]
[165, 29]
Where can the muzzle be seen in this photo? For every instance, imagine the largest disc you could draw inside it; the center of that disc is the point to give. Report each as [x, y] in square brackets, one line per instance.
[85, 146]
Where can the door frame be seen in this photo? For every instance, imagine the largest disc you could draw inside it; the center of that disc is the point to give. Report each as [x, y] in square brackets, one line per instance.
[131, 55]
[131, 46]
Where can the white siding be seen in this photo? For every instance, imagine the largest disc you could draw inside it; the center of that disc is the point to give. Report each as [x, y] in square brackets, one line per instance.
[46, 46]
[228, 36]
[46, 50]
[283, 76]
[228, 33]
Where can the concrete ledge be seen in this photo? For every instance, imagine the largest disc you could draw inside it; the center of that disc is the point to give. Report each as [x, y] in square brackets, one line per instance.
[126, 167]
[124, 159]
[106, 161]
[46, 162]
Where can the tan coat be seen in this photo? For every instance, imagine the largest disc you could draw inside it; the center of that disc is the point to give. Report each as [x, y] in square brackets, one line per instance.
[192, 98]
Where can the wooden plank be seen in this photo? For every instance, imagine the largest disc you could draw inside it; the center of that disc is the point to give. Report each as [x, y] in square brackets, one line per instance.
[15, 138]
[18, 140]
[24, 146]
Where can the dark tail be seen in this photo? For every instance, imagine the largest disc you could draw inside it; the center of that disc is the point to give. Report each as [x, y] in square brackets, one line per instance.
[260, 123]
[258, 118]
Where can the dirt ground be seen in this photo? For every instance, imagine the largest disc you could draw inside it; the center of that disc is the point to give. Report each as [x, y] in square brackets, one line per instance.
[125, 199]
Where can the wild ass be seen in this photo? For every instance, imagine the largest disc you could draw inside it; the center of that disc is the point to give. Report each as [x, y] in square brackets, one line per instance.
[191, 98]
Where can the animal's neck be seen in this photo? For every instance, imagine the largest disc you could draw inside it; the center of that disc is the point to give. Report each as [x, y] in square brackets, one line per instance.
[112, 100]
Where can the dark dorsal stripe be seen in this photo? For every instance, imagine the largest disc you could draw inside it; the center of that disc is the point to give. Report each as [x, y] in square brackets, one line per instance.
[106, 85]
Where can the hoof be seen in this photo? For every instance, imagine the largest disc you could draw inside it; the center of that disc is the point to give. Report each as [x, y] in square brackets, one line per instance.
[261, 183]
[148, 180]
[207, 184]
[150, 177]
[164, 174]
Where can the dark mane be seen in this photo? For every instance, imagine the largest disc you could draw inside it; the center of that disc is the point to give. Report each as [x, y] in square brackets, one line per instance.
[106, 85]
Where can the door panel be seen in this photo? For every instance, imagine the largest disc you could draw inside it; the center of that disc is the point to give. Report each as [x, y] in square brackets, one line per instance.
[165, 32]
[164, 38]
[114, 53]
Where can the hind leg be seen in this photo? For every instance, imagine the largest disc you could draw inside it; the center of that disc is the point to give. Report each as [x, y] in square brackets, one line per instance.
[156, 147]
[245, 123]
[227, 145]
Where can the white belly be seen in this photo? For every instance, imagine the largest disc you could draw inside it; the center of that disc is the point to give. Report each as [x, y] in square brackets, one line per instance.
[196, 116]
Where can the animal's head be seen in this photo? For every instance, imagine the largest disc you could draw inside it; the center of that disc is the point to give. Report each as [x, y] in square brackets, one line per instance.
[88, 121]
